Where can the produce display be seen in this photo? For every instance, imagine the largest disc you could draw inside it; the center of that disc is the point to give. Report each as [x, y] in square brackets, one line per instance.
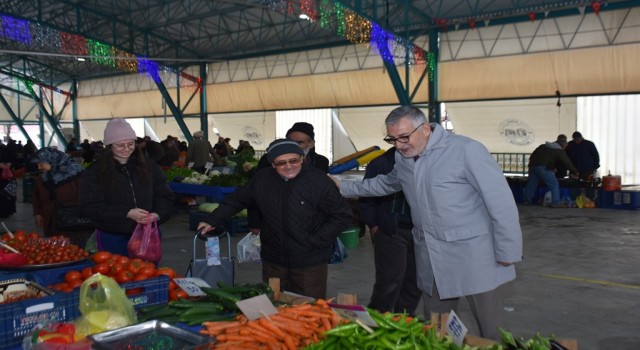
[38, 250]
[219, 304]
[120, 268]
[212, 178]
[293, 327]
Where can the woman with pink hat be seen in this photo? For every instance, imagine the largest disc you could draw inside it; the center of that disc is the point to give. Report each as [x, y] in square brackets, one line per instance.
[123, 189]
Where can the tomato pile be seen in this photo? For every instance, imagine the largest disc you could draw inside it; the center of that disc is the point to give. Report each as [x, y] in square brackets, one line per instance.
[44, 250]
[119, 267]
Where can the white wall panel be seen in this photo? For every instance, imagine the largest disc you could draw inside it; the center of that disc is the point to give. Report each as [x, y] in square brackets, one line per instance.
[515, 126]
[322, 127]
[613, 124]
[257, 128]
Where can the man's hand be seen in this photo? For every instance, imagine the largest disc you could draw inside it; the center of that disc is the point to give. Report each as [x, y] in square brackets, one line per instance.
[205, 227]
[503, 263]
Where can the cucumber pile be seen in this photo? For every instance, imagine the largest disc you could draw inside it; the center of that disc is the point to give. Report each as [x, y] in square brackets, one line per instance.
[219, 304]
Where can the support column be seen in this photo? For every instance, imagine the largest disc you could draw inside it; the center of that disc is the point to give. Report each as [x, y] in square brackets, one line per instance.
[204, 116]
[434, 102]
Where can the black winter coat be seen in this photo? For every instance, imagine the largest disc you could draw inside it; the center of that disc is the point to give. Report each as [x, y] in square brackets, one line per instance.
[108, 208]
[301, 217]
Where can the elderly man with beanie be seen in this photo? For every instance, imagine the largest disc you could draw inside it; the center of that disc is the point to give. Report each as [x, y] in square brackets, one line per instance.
[199, 152]
[302, 133]
[303, 213]
[122, 189]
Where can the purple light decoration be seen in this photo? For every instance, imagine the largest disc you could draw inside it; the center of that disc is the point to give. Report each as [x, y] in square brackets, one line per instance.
[380, 40]
[16, 30]
[148, 66]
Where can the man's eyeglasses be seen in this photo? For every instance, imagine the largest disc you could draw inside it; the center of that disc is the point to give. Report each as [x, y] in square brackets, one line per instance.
[401, 139]
[281, 163]
[123, 146]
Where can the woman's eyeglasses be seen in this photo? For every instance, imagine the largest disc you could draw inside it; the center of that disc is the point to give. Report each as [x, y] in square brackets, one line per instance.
[123, 146]
[402, 139]
[281, 163]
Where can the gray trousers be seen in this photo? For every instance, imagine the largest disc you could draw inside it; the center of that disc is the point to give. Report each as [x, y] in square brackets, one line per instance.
[487, 309]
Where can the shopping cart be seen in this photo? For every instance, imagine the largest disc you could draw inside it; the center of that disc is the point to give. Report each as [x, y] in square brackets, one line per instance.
[210, 273]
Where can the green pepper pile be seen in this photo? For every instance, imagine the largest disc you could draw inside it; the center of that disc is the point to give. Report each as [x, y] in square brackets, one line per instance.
[394, 331]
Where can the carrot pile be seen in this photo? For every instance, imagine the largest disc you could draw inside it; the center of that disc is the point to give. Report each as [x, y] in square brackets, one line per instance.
[293, 327]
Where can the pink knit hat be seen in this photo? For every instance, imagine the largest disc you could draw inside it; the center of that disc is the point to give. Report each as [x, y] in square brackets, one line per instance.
[118, 130]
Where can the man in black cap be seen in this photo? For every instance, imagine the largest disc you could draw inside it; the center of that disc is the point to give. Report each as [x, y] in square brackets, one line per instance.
[584, 155]
[303, 134]
[303, 214]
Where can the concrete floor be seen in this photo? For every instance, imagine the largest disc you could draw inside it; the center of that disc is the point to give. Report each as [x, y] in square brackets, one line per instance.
[580, 277]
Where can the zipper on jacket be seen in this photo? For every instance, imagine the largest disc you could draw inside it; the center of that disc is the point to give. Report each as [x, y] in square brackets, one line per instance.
[133, 192]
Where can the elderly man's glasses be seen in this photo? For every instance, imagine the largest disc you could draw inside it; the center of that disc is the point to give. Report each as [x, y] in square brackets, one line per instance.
[401, 139]
[281, 163]
[123, 146]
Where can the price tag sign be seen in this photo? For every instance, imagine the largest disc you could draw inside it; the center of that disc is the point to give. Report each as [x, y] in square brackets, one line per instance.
[208, 165]
[355, 313]
[226, 170]
[190, 165]
[191, 285]
[257, 307]
[455, 328]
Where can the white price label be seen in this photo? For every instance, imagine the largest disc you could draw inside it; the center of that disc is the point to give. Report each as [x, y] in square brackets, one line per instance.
[191, 285]
[213, 251]
[455, 328]
[208, 165]
[190, 165]
[226, 170]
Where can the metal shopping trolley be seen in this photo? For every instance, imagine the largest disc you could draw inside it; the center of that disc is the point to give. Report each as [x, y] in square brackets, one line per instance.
[201, 268]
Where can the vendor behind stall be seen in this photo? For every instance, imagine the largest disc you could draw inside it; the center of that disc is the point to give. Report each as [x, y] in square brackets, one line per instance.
[303, 214]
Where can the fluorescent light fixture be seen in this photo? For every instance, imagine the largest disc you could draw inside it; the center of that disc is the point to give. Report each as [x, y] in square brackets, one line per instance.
[216, 131]
[81, 59]
[304, 16]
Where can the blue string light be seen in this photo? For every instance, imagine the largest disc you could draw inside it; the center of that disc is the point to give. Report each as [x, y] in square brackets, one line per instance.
[16, 30]
[380, 39]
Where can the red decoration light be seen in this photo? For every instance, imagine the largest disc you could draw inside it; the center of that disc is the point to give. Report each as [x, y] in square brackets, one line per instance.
[596, 6]
[532, 16]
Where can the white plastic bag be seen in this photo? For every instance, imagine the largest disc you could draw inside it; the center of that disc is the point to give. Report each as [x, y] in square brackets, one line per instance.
[546, 202]
[249, 248]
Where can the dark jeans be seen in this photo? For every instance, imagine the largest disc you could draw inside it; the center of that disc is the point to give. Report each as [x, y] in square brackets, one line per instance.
[395, 289]
[307, 281]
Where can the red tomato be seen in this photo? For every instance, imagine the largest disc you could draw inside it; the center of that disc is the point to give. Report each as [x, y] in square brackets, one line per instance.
[87, 272]
[147, 271]
[115, 269]
[181, 294]
[75, 283]
[134, 266]
[72, 275]
[122, 260]
[172, 285]
[140, 277]
[124, 276]
[100, 257]
[102, 268]
[167, 271]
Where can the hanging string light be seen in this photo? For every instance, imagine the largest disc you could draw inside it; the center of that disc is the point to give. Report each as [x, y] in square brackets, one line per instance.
[380, 41]
[101, 53]
[45, 37]
[357, 28]
[73, 44]
[308, 7]
[340, 19]
[125, 61]
[16, 29]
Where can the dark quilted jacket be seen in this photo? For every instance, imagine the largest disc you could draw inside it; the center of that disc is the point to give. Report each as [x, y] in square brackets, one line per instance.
[301, 217]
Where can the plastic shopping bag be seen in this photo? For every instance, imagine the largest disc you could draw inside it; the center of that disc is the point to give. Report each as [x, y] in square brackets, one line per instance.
[145, 242]
[104, 306]
[249, 248]
[339, 252]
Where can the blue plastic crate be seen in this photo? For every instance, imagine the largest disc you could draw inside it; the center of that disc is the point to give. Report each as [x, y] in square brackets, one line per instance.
[47, 277]
[629, 200]
[18, 318]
